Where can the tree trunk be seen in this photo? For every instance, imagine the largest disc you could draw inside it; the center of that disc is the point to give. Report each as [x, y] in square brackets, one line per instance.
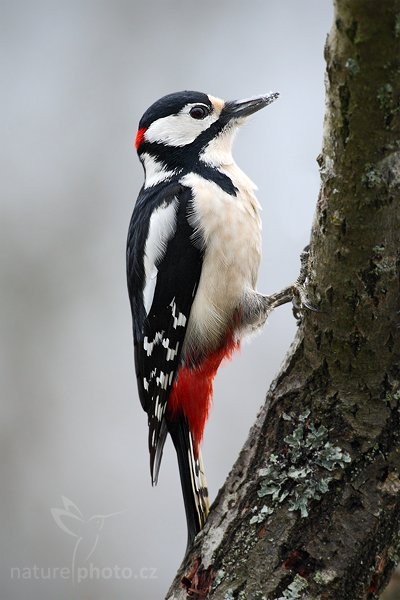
[311, 507]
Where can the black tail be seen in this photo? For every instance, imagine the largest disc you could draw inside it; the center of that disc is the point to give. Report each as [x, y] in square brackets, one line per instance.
[193, 480]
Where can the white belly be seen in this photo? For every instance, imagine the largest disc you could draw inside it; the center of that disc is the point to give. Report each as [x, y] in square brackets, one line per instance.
[231, 228]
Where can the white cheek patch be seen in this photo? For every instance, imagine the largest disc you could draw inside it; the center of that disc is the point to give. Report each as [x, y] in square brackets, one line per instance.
[161, 229]
[180, 129]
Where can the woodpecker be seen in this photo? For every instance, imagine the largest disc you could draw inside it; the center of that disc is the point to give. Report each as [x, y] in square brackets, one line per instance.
[193, 254]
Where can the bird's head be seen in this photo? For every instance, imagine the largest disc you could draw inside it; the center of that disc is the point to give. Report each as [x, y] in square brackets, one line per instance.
[185, 127]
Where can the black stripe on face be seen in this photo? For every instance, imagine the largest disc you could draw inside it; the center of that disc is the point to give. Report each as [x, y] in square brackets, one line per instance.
[186, 159]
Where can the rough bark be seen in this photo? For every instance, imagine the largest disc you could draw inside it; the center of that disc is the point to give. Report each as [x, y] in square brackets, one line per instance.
[311, 508]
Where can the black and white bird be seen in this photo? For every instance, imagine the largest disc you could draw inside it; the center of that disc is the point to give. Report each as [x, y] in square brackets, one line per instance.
[193, 253]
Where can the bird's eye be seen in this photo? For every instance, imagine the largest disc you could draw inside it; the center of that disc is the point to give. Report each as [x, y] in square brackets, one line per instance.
[199, 112]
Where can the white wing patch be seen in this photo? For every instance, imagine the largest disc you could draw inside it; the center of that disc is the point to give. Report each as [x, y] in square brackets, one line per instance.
[149, 289]
[161, 229]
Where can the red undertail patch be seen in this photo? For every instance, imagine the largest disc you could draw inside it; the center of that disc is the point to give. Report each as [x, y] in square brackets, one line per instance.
[139, 137]
[192, 391]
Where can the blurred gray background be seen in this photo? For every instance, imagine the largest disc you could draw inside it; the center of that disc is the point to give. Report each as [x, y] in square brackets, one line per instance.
[75, 78]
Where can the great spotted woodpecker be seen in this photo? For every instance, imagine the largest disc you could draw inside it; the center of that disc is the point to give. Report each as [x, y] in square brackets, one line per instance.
[193, 253]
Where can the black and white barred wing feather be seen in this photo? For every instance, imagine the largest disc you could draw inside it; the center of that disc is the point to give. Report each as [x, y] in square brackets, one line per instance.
[164, 267]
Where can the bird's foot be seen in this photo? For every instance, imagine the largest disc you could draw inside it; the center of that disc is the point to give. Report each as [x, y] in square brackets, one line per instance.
[295, 293]
[300, 299]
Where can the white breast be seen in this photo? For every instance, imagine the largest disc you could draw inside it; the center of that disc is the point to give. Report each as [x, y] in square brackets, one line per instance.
[231, 228]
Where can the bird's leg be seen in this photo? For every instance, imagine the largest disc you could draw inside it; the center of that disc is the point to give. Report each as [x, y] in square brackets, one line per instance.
[256, 307]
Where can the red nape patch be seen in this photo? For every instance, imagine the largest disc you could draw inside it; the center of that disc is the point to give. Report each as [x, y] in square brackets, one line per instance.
[192, 391]
[139, 137]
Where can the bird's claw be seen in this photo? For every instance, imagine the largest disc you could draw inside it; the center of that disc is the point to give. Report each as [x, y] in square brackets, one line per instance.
[300, 299]
[300, 302]
[296, 294]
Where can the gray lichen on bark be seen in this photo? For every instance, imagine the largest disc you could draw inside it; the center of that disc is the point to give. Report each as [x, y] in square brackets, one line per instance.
[343, 369]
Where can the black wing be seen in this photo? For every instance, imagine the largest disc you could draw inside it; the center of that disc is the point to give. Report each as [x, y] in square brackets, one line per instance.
[159, 332]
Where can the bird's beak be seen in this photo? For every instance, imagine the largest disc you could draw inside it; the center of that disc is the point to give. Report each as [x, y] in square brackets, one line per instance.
[245, 108]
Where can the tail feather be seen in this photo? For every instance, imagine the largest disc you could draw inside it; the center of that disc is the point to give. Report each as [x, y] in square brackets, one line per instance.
[155, 458]
[193, 480]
